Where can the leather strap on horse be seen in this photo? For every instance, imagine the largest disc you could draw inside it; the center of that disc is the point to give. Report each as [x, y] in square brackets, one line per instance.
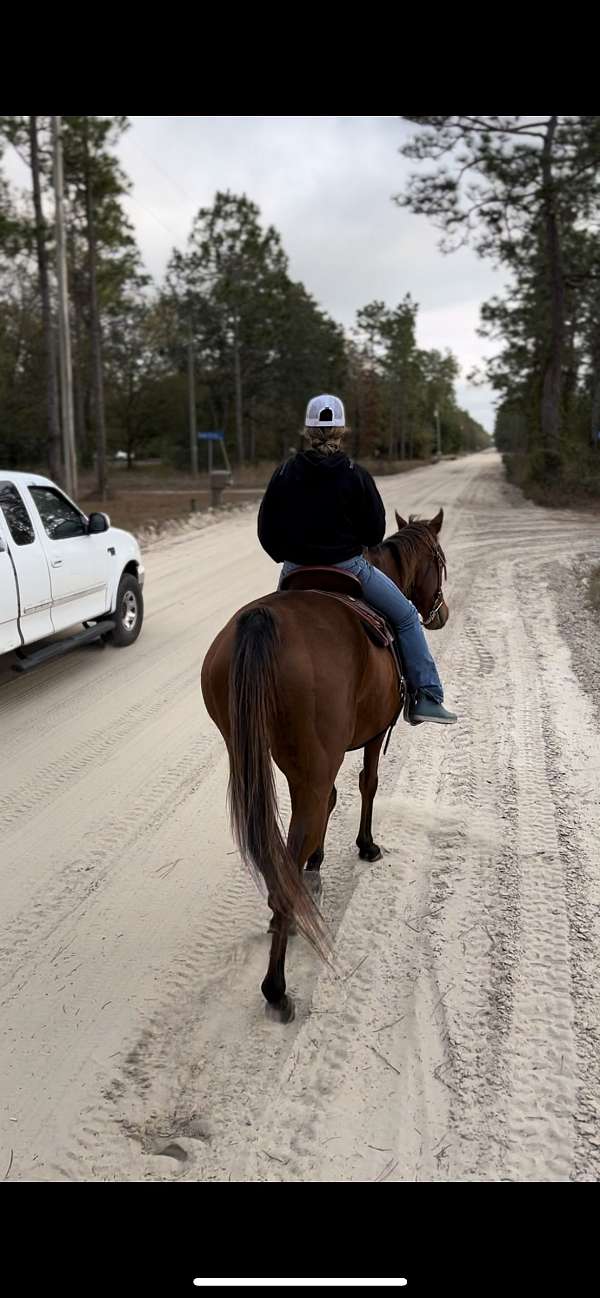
[402, 691]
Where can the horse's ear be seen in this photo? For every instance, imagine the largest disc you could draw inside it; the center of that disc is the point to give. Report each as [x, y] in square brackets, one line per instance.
[436, 523]
[400, 522]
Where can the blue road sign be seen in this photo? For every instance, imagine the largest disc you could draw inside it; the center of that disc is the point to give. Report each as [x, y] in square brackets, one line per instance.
[211, 437]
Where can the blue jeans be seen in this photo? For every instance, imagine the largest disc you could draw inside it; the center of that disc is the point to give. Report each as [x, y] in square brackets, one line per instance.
[383, 594]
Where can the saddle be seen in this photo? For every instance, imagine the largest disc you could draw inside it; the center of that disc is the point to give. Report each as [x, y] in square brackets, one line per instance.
[336, 584]
[346, 588]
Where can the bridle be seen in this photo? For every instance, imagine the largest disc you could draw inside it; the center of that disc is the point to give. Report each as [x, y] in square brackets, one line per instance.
[440, 558]
[438, 600]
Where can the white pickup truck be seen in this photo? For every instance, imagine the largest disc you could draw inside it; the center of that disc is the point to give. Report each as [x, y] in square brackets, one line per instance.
[59, 567]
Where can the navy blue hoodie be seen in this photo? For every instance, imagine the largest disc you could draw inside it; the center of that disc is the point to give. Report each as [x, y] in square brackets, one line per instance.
[320, 509]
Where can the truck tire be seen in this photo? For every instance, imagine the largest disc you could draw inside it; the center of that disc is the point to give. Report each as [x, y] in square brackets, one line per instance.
[129, 612]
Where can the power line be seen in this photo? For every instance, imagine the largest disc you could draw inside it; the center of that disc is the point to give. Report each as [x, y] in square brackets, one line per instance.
[161, 171]
[149, 212]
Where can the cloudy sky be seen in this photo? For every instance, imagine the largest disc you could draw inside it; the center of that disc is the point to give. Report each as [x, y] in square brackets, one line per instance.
[326, 183]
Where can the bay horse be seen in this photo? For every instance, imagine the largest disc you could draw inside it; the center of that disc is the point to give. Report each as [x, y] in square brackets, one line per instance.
[294, 678]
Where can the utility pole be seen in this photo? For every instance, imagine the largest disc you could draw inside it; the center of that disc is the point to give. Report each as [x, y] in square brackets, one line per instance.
[438, 430]
[64, 336]
[192, 401]
[233, 270]
[95, 321]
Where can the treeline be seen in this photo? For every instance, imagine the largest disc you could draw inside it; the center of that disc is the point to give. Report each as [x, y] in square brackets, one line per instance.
[526, 192]
[257, 342]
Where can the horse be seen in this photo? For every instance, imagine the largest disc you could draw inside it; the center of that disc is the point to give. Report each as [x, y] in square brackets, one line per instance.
[293, 679]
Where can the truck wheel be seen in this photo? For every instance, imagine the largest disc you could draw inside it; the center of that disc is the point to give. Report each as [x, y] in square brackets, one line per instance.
[129, 612]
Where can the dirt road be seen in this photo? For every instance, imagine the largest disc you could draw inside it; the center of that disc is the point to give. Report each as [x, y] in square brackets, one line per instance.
[460, 1040]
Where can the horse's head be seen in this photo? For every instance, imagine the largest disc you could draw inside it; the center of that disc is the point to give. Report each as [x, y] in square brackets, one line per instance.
[422, 567]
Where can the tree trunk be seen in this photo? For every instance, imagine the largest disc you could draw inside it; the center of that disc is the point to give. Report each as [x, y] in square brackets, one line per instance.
[237, 374]
[252, 423]
[356, 431]
[595, 380]
[552, 384]
[596, 411]
[130, 436]
[54, 432]
[95, 330]
[392, 418]
[81, 430]
[192, 419]
[403, 415]
[571, 371]
[79, 400]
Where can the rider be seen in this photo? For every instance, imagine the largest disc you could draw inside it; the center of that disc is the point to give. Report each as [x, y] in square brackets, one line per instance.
[321, 508]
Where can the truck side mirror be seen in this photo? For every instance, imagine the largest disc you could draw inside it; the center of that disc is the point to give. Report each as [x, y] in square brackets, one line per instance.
[98, 523]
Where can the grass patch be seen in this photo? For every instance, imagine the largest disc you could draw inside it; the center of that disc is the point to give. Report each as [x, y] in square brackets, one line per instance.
[593, 593]
[576, 487]
[138, 510]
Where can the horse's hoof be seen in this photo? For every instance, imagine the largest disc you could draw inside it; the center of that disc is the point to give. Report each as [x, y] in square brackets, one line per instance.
[313, 885]
[372, 853]
[283, 1012]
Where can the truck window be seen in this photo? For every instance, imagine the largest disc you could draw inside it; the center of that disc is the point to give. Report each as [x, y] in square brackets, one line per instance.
[60, 518]
[15, 512]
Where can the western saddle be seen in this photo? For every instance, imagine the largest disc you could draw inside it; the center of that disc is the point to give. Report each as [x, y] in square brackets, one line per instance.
[343, 586]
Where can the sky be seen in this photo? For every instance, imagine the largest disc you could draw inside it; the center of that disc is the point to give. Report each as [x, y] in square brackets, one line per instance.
[327, 185]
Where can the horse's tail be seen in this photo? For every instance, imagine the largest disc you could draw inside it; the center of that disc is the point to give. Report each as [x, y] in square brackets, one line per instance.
[251, 794]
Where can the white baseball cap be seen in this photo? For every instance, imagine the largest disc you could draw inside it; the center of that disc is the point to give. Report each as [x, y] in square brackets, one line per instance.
[325, 411]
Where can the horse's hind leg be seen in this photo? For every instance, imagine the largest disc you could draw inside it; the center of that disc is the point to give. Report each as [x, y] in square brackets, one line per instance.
[300, 834]
[312, 874]
[367, 849]
[306, 833]
[279, 1005]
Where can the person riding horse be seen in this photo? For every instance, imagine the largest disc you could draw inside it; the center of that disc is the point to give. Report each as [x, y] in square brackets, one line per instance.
[320, 508]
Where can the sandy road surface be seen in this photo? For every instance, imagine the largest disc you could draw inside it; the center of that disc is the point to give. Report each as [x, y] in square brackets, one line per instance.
[460, 1039]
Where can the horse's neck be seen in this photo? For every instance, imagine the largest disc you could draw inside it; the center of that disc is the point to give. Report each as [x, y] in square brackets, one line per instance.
[378, 559]
[381, 557]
